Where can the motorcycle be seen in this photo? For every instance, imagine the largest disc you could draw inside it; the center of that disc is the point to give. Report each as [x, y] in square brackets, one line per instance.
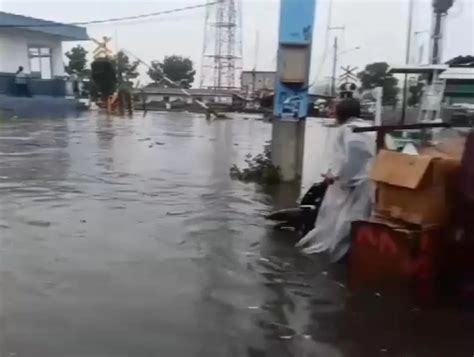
[302, 218]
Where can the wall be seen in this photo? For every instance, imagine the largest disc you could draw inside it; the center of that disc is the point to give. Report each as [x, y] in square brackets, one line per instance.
[14, 50]
[55, 87]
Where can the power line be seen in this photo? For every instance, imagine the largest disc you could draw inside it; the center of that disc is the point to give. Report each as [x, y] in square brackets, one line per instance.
[116, 19]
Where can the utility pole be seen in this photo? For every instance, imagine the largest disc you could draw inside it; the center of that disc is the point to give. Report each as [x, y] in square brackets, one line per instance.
[254, 72]
[334, 68]
[334, 59]
[407, 60]
[440, 9]
[435, 87]
[291, 87]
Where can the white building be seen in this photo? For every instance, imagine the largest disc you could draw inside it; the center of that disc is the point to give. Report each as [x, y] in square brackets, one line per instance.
[258, 80]
[36, 45]
[175, 95]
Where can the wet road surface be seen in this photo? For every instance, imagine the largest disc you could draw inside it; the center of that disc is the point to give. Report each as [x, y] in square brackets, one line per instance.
[126, 237]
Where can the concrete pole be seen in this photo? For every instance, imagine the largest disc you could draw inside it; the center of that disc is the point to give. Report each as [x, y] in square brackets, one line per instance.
[334, 68]
[407, 60]
[378, 94]
[291, 94]
[437, 38]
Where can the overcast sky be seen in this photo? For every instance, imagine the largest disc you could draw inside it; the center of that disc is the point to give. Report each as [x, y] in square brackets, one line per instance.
[378, 27]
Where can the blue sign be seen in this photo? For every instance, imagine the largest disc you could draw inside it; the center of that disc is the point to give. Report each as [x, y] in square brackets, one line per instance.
[290, 104]
[296, 22]
[296, 29]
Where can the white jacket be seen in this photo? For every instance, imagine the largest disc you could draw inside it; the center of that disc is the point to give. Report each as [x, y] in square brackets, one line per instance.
[351, 196]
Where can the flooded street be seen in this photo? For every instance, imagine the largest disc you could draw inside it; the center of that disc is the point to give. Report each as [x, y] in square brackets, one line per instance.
[127, 237]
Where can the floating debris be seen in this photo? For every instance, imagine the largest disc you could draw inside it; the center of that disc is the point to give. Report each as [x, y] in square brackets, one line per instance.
[177, 213]
[39, 223]
[286, 337]
[159, 143]
[253, 307]
[301, 293]
[271, 265]
[287, 228]
[297, 283]
[378, 294]
[260, 169]
[249, 254]
[325, 273]
[384, 350]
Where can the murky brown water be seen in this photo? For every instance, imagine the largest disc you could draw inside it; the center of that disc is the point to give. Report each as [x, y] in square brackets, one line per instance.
[126, 237]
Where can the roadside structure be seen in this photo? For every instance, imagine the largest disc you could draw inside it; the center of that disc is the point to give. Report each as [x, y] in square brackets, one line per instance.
[162, 98]
[36, 45]
[258, 81]
[453, 90]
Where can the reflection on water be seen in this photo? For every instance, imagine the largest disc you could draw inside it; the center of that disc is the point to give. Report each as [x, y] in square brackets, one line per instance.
[126, 237]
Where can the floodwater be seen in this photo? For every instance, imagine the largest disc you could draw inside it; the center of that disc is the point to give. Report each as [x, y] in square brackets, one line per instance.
[126, 237]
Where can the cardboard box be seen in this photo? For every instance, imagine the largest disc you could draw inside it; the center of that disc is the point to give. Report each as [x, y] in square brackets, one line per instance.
[417, 189]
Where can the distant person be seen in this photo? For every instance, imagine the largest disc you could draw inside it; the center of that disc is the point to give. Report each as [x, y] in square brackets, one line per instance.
[21, 83]
[349, 196]
[75, 86]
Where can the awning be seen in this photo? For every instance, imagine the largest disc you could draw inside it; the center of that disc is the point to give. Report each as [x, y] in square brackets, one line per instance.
[417, 69]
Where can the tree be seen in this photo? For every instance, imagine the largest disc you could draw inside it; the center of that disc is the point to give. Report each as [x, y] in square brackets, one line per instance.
[77, 62]
[126, 70]
[177, 68]
[375, 75]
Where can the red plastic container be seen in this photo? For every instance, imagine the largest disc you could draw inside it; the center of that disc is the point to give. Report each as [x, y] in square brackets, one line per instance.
[387, 255]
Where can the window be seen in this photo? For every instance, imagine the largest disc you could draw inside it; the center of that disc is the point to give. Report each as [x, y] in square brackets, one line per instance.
[40, 62]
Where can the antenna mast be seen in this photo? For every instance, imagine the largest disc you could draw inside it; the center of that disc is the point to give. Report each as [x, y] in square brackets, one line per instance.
[221, 62]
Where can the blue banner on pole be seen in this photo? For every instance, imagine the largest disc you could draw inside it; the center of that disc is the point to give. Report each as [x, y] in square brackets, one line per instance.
[294, 53]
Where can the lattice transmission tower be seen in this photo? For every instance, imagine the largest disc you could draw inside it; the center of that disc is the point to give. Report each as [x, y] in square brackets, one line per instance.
[221, 62]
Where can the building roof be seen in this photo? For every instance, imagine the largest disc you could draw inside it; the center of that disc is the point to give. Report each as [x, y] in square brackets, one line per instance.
[417, 69]
[466, 73]
[65, 32]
